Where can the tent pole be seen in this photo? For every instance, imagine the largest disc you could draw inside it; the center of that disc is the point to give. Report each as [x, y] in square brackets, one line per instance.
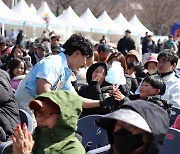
[2, 28]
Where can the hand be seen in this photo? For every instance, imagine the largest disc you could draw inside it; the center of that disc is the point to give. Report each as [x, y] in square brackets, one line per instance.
[117, 95]
[22, 140]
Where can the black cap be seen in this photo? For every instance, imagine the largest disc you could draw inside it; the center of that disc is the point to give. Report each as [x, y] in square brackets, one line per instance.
[56, 48]
[103, 47]
[170, 36]
[43, 46]
[128, 31]
[33, 44]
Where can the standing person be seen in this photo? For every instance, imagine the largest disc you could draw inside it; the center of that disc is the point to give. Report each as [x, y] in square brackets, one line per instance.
[126, 44]
[54, 72]
[20, 38]
[9, 112]
[149, 46]
[171, 45]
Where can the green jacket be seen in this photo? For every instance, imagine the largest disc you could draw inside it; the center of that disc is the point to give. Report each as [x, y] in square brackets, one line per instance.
[61, 138]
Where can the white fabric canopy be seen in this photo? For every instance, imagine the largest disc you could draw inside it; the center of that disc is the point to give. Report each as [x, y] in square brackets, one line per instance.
[24, 11]
[123, 24]
[33, 8]
[108, 23]
[92, 21]
[44, 11]
[140, 28]
[9, 16]
[72, 19]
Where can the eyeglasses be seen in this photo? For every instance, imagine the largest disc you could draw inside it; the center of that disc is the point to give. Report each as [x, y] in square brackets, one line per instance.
[44, 114]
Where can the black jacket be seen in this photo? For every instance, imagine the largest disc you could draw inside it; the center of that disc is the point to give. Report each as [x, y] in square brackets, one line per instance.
[9, 112]
[125, 45]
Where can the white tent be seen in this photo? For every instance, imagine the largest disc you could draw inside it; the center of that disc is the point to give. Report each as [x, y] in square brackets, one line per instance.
[8, 16]
[24, 11]
[123, 24]
[45, 12]
[72, 19]
[108, 23]
[140, 28]
[33, 8]
[92, 21]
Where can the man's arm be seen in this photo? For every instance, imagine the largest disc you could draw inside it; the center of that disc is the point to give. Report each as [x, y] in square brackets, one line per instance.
[42, 86]
[89, 103]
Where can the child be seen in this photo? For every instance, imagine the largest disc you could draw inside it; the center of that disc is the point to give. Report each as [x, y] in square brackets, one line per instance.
[17, 71]
[151, 65]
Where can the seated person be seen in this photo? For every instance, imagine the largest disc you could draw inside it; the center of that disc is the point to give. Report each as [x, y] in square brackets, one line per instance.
[138, 127]
[9, 112]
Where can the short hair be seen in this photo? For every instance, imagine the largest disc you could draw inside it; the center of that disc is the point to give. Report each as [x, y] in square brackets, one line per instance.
[168, 56]
[120, 58]
[78, 42]
[156, 82]
[13, 63]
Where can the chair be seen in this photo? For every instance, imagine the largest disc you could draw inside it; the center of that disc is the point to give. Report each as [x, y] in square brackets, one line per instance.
[92, 136]
[25, 118]
[99, 150]
[174, 113]
[171, 142]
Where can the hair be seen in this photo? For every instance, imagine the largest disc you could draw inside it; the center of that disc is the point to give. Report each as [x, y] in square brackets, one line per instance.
[13, 63]
[120, 58]
[156, 82]
[19, 47]
[168, 56]
[78, 42]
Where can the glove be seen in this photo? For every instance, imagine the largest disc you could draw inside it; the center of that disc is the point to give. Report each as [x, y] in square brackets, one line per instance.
[109, 101]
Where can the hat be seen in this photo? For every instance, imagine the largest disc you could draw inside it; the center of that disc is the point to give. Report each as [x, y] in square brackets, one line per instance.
[128, 31]
[56, 37]
[103, 47]
[171, 36]
[56, 48]
[45, 103]
[134, 53]
[33, 44]
[150, 59]
[43, 46]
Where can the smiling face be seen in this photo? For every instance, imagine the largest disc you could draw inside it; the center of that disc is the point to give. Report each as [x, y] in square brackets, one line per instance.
[147, 90]
[18, 53]
[19, 70]
[99, 71]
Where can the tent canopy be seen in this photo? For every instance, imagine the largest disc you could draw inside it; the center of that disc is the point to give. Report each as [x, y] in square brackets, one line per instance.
[45, 12]
[123, 24]
[140, 28]
[72, 19]
[8, 16]
[108, 23]
[92, 21]
[33, 8]
[24, 11]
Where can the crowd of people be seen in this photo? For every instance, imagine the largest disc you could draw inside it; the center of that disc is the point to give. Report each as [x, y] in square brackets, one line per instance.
[59, 83]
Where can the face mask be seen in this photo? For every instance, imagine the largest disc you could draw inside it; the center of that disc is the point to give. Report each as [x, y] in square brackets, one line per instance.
[125, 142]
[152, 71]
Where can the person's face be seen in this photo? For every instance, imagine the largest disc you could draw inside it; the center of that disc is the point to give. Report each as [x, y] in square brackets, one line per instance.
[164, 66]
[127, 35]
[32, 49]
[89, 61]
[100, 70]
[152, 67]
[170, 39]
[149, 39]
[147, 90]
[18, 53]
[55, 52]
[41, 52]
[131, 58]
[19, 70]
[77, 60]
[54, 42]
[103, 55]
[46, 118]
[134, 130]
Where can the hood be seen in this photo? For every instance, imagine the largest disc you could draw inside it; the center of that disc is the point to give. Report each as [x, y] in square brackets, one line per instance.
[91, 70]
[70, 106]
[155, 117]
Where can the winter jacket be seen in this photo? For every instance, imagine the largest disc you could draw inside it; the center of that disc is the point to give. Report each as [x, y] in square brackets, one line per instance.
[149, 48]
[61, 138]
[9, 112]
[125, 45]
[155, 116]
